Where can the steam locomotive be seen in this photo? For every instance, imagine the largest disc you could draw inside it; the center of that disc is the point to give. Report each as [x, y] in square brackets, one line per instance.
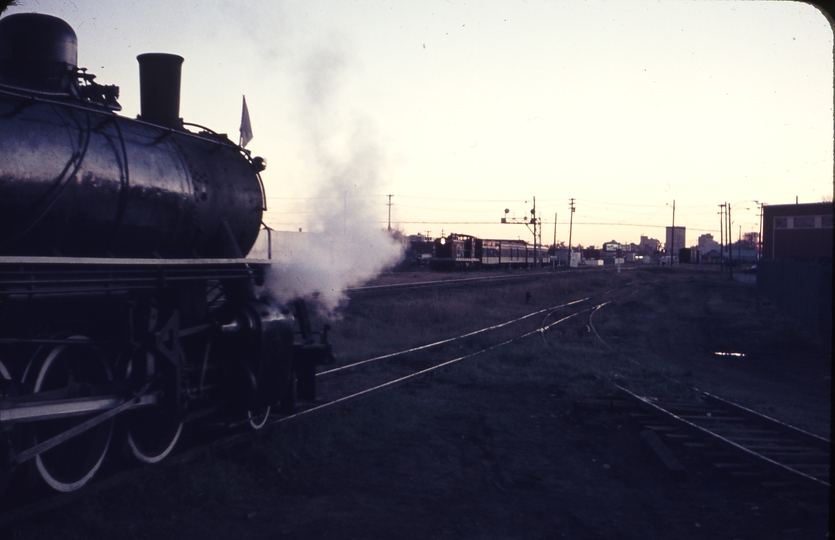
[127, 308]
[462, 251]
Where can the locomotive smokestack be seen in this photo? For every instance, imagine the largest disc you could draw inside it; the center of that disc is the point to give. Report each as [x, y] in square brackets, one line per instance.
[159, 88]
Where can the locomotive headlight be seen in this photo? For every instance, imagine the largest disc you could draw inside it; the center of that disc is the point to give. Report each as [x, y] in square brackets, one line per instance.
[259, 164]
[443, 241]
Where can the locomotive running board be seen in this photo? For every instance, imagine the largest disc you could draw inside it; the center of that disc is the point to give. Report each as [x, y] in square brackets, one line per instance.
[39, 448]
[33, 411]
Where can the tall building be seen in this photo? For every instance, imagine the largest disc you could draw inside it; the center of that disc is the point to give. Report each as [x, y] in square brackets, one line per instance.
[670, 245]
[648, 246]
[707, 243]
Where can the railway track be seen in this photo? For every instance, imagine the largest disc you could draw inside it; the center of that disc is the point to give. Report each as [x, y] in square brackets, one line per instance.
[522, 275]
[742, 442]
[739, 441]
[337, 387]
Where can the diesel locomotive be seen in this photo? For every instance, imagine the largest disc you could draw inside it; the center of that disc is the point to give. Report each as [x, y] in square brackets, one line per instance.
[462, 251]
[127, 308]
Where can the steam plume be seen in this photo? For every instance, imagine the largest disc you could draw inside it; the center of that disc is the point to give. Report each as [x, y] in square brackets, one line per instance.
[347, 245]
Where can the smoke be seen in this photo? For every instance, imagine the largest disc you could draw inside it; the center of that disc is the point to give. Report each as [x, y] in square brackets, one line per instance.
[345, 245]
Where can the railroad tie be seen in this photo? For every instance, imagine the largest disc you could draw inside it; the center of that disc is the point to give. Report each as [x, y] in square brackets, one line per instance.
[675, 470]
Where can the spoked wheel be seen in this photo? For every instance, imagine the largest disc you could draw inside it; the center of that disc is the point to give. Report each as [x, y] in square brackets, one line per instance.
[154, 431]
[151, 437]
[81, 371]
[258, 419]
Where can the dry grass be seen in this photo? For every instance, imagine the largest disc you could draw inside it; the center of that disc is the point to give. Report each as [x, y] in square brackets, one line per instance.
[659, 341]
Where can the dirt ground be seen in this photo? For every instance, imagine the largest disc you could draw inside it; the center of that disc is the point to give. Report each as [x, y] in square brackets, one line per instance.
[500, 457]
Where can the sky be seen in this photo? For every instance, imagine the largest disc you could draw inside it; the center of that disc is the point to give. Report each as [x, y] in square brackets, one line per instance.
[460, 110]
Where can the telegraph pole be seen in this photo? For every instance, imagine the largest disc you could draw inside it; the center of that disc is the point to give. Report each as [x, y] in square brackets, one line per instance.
[533, 219]
[555, 233]
[760, 235]
[389, 205]
[730, 248]
[555, 260]
[722, 236]
[570, 228]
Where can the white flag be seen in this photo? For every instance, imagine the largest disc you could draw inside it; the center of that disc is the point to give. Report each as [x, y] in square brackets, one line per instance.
[246, 126]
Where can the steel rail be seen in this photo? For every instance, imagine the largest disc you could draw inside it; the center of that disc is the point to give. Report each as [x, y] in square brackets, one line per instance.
[724, 441]
[779, 424]
[352, 365]
[370, 290]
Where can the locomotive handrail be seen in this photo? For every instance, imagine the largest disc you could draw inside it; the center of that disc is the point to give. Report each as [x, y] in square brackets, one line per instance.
[36, 95]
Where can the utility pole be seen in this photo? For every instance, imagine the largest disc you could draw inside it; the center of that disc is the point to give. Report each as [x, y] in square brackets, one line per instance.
[533, 219]
[722, 236]
[555, 261]
[389, 205]
[760, 235]
[730, 247]
[570, 228]
[555, 233]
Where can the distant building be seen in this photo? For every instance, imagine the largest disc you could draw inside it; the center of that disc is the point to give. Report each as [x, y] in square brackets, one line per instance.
[673, 243]
[741, 254]
[648, 246]
[708, 244]
[612, 246]
[591, 253]
[797, 231]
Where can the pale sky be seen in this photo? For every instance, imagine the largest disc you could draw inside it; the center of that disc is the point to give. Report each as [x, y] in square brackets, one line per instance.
[462, 109]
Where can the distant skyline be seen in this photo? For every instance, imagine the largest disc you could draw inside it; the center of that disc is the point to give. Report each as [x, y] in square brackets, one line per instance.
[460, 111]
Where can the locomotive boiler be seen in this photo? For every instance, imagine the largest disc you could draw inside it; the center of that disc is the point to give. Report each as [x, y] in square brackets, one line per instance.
[127, 308]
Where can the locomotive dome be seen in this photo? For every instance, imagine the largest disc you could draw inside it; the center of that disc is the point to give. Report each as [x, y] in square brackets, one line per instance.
[37, 51]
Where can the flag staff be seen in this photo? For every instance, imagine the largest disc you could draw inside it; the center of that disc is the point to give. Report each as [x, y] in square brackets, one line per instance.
[246, 126]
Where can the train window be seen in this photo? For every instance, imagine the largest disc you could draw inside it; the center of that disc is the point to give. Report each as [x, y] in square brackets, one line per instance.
[781, 223]
[826, 222]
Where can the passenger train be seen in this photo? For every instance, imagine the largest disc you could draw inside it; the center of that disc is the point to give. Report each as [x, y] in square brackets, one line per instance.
[462, 251]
